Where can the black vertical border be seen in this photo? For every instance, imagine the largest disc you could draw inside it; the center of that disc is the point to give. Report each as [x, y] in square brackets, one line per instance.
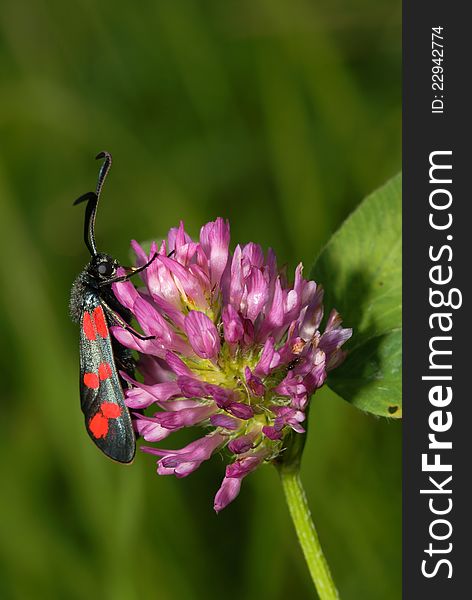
[423, 133]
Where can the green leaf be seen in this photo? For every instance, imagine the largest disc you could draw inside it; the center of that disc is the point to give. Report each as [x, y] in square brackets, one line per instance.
[360, 269]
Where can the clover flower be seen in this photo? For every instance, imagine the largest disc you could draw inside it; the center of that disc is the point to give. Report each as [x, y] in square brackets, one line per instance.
[237, 351]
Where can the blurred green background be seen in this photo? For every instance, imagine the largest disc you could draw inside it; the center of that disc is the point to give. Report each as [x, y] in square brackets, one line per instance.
[278, 115]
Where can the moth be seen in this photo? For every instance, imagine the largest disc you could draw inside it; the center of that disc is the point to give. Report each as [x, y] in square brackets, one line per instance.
[94, 306]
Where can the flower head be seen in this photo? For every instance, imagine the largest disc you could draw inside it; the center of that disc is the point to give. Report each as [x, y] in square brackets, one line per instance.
[237, 350]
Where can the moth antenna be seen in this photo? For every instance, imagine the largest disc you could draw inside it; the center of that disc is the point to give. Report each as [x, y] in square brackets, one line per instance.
[92, 202]
[103, 170]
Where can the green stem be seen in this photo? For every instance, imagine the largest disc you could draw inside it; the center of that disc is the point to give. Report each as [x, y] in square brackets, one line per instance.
[306, 532]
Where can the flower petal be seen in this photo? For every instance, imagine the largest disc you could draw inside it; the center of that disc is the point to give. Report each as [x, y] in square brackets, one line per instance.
[153, 369]
[150, 429]
[257, 294]
[127, 339]
[271, 432]
[225, 421]
[240, 410]
[187, 284]
[187, 417]
[229, 491]
[275, 316]
[235, 472]
[177, 237]
[186, 460]
[177, 365]
[143, 395]
[125, 292]
[269, 359]
[214, 238]
[232, 324]
[243, 443]
[191, 387]
[254, 254]
[254, 383]
[202, 334]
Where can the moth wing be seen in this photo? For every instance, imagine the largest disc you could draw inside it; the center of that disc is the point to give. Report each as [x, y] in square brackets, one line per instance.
[107, 418]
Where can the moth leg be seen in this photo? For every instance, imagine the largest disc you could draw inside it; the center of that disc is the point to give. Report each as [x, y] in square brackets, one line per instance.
[133, 271]
[118, 319]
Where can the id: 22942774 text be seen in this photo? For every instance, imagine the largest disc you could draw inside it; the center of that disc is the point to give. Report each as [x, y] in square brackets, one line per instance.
[437, 69]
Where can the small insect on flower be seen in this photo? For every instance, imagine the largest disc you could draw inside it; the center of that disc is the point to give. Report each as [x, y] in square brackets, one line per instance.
[94, 306]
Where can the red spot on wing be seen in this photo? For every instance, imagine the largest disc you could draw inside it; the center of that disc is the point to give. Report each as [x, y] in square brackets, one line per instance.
[91, 381]
[110, 410]
[87, 325]
[98, 425]
[100, 323]
[104, 371]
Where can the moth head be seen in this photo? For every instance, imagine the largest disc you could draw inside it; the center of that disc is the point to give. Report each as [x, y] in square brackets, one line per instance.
[103, 266]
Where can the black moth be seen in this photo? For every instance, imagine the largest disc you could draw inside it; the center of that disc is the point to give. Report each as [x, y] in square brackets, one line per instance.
[94, 306]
